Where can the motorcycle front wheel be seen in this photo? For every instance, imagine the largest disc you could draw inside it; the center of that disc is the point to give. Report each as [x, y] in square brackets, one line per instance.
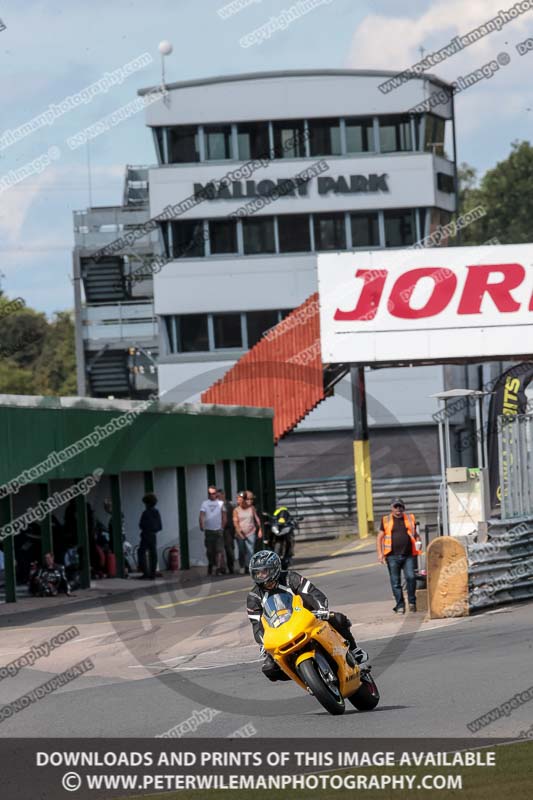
[366, 697]
[326, 693]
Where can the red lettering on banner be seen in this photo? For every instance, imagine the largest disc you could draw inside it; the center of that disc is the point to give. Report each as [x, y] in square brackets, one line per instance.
[367, 305]
[477, 285]
[402, 291]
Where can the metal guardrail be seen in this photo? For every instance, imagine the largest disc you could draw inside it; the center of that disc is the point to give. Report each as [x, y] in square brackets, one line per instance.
[515, 444]
[329, 505]
[501, 569]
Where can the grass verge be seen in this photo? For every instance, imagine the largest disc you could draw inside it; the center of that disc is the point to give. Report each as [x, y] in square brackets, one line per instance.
[511, 777]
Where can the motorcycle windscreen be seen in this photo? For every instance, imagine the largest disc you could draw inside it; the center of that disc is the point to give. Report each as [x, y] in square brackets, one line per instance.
[277, 609]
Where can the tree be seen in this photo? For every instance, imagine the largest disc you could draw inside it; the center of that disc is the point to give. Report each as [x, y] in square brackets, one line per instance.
[14, 380]
[36, 356]
[22, 335]
[506, 192]
[55, 367]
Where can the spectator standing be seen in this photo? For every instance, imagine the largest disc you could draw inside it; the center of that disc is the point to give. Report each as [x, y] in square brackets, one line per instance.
[398, 546]
[241, 547]
[212, 522]
[259, 539]
[247, 526]
[229, 531]
[150, 525]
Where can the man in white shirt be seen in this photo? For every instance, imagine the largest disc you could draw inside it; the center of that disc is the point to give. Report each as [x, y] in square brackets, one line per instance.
[212, 522]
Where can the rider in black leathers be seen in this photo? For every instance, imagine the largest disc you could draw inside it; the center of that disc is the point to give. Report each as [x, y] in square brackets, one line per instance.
[265, 569]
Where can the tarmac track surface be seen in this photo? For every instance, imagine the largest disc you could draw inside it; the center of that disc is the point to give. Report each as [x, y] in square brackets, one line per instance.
[160, 655]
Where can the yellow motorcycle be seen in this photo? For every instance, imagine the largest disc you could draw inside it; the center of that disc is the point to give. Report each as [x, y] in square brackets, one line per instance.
[314, 655]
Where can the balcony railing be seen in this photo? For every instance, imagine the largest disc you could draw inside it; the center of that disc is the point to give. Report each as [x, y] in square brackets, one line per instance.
[97, 227]
[129, 321]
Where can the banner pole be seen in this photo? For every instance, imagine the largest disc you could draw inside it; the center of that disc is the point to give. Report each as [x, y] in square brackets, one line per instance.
[361, 452]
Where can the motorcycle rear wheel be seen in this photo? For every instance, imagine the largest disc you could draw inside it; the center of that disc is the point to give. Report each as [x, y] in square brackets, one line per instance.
[332, 701]
[366, 697]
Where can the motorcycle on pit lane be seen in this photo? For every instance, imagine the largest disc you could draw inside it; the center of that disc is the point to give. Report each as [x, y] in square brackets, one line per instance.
[314, 655]
[282, 528]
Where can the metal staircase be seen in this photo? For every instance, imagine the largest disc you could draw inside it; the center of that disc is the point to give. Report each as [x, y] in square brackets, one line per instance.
[103, 280]
[109, 374]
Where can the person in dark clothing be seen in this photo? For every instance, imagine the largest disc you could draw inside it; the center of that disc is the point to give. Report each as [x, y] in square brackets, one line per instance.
[269, 578]
[150, 525]
[70, 523]
[48, 580]
[229, 531]
[27, 551]
[398, 546]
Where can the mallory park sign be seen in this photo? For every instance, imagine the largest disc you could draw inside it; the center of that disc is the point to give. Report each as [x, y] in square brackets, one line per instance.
[291, 187]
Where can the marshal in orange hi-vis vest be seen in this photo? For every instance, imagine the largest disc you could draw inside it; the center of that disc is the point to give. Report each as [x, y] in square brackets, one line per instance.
[388, 522]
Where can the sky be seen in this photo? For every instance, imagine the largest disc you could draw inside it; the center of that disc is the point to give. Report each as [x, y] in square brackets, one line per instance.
[52, 49]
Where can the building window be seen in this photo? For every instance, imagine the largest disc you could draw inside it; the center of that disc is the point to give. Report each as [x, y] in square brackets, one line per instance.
[222, 236]
[158, 135]
[365, 230]
[330, 232]
[183, 147]
[227, 331]
[395, 134]
[253, 140]
[400, 228]
[165, 227]
[435, 132]
[324, 137]
[170, 324]
[438, 220]
[193, 334]
[190, 333]
[217, 142]
[289, 139]
[445, 183]
[188, 239]
[359, 136]
[293, 233]
[258, 322]
[258, 235]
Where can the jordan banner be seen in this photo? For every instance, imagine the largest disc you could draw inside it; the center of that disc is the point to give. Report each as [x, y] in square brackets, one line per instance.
[509, 398]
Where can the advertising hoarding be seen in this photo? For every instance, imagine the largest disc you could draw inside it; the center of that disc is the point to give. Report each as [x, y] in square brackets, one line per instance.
[428, 305]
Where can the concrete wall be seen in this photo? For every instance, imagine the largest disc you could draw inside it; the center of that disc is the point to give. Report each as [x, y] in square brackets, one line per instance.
[166, 489]
[400, 396]
[132, 491]
[237, 284]
[184, 382]
[196, 494]
[411, 180]
[293, 95]
[394, 453]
